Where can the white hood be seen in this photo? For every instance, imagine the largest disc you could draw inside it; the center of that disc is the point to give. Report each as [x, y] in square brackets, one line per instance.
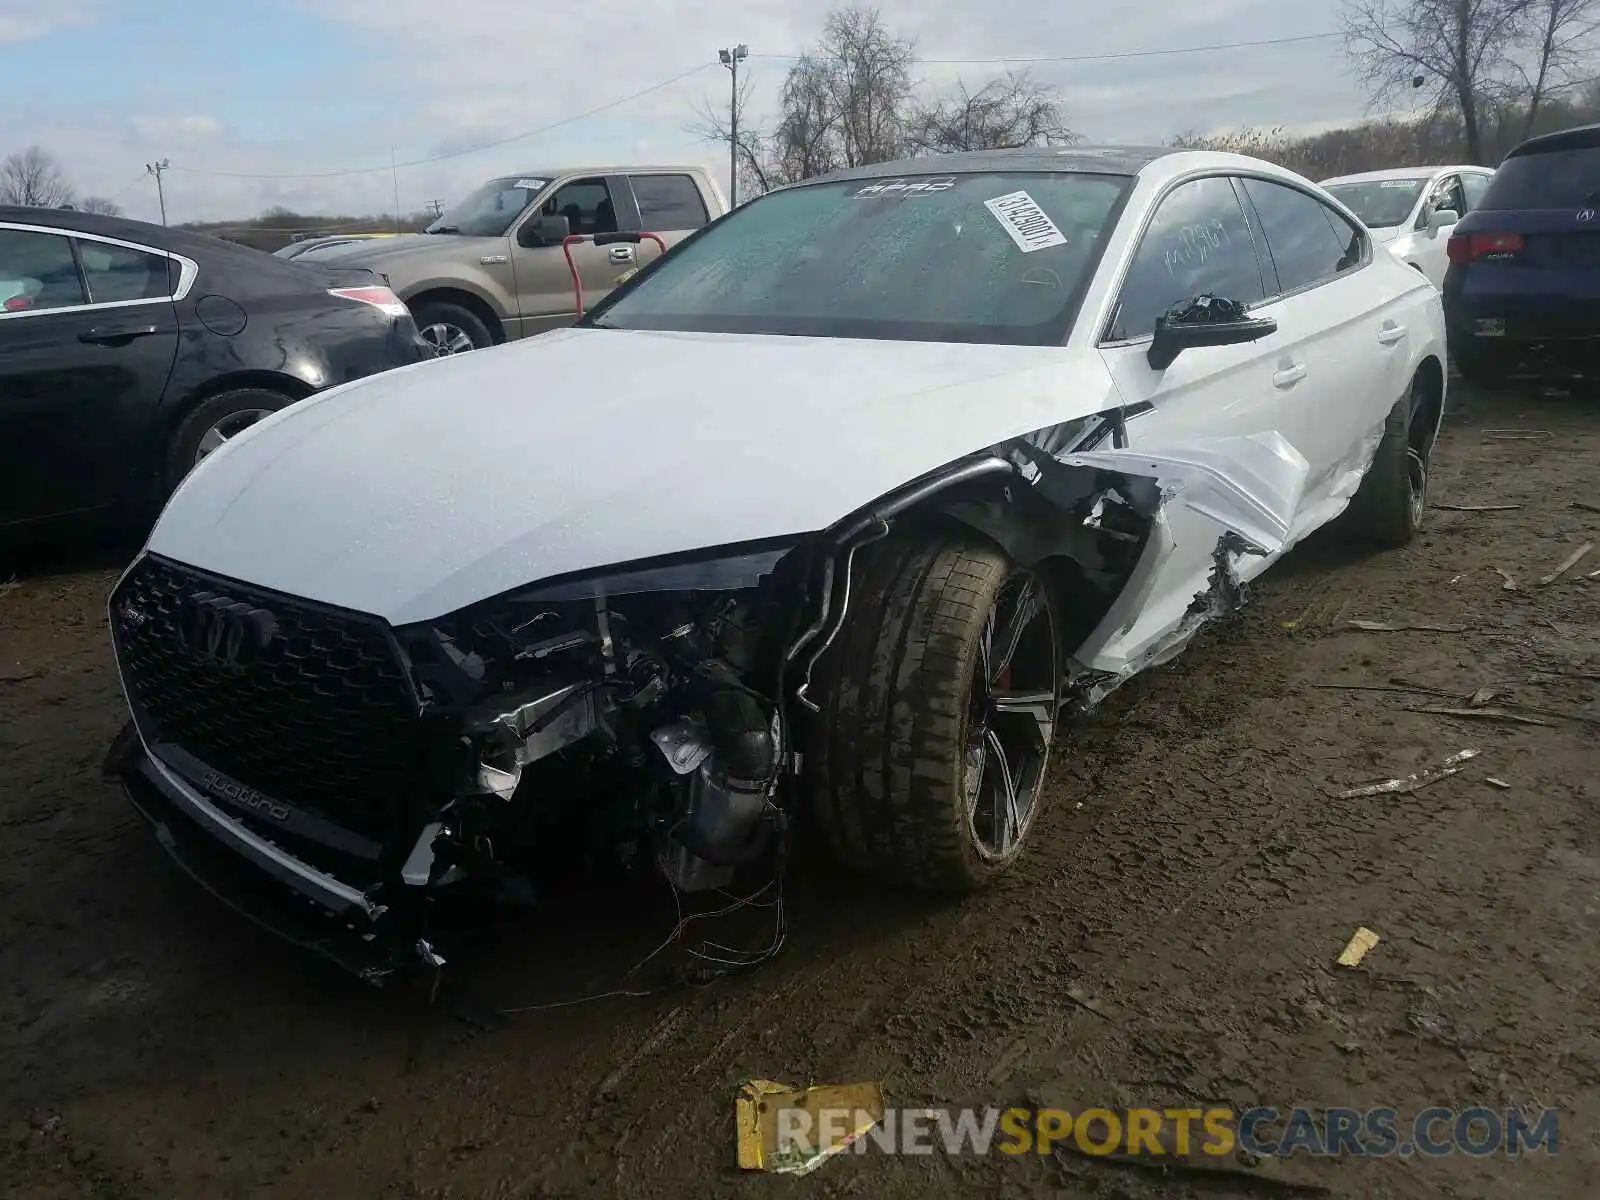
[413, 493]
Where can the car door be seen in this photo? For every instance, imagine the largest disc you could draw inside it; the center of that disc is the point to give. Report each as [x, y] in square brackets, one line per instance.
[88, 336]
[1432, 244]
[669, 204]
[546, 297]
[1198, 242]
[1345, 338]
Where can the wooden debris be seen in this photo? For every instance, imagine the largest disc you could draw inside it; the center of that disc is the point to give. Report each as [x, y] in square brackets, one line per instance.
[1586, 506]
[1567, 563]
[1486, 714]
[1477, 507]
[1390, 627]
[1537, 435]
[1421, 779]
[1510, 584]
[1499, 783]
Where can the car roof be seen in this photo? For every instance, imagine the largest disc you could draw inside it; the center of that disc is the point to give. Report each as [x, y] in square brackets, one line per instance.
[1405, 173]
[1579, 137]
[634, 169]
[1102, 160]
[146, 233]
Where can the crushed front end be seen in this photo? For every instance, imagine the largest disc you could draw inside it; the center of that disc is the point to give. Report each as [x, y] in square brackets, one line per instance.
[363, 770]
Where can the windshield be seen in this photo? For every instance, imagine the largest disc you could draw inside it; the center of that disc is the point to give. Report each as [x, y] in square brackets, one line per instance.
[993, 257]
[489, 211]
[1553, 179]
[1380, 203]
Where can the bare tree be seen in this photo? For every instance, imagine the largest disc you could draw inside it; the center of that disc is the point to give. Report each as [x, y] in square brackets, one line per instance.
[715, 125]
[1005, 114]
[869, 70]
[102, 207]
[1555, 34]
[33, 178]
[1460, 49]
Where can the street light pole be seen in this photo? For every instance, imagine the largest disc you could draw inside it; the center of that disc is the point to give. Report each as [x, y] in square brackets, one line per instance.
[155, 169]
[731, 58]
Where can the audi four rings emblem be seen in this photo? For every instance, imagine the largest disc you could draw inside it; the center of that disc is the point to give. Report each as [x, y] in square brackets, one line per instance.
[220, 630]
[1586, 214]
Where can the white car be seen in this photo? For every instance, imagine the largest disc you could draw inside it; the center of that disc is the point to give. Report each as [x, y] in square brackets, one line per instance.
[1411, 210]
[837, 508]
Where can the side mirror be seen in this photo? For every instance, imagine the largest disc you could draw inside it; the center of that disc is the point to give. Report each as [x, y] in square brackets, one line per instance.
[1443, 218]
[544, 231]
[1172, 337]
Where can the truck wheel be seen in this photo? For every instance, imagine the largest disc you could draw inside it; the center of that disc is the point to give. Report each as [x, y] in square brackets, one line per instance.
[1388, 508]
[449, 328]
[214, 421]
[941, 699]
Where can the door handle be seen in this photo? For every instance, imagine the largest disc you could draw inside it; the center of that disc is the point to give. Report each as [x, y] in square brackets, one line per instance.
[1390, 334]
[1289, 376]
[117, 335]
[620, 254]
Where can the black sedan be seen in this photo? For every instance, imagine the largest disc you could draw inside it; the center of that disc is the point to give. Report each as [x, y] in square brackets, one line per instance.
[128, 352]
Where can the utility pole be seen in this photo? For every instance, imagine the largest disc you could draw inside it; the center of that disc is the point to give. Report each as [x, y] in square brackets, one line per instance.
[155, 169]
[731, 58]
[394, 170]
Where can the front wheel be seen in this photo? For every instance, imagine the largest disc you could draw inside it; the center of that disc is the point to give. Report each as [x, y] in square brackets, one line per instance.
[450, 329]
[942, 694]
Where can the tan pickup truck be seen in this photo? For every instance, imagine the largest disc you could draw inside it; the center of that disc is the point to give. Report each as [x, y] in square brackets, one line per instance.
[490, 269]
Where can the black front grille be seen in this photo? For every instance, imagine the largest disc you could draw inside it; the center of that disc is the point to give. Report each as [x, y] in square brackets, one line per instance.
[322, 716]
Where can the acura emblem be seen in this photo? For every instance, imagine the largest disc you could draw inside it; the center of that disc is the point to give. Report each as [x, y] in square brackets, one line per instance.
[222, 631]
[1586, 214]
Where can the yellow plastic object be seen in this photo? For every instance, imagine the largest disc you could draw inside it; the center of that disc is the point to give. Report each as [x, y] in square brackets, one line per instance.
[792, 1131]
[1360, 942]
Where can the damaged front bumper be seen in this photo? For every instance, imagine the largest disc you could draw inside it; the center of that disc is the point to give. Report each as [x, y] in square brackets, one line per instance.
[259, 879]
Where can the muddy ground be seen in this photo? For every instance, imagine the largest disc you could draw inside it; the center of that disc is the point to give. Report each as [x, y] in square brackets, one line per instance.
[1169, 939]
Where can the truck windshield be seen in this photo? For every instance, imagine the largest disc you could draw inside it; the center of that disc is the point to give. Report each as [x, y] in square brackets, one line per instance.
[1380, 203]
[489, 211]
[1001, 257]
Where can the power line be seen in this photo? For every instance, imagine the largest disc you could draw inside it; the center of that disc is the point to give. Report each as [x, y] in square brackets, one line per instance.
[422, 162]
[665, 83]
[1114, 57]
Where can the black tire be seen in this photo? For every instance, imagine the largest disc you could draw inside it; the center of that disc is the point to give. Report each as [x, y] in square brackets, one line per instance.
[439, 315]
[1388, 508]
[890, 760]
[212, 413]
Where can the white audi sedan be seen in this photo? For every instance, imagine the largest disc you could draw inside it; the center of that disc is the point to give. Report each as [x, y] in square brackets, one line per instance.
[1412, 210]
[839, 511]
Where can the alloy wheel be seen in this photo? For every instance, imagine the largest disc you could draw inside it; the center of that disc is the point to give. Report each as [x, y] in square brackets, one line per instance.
[1011, 716]
[446, 338]
[226, 429]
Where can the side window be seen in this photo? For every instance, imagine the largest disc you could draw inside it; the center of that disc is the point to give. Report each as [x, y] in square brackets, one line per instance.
[1198, 242]
[1448, 195]
[1308, 241]
[37, 271]
[669, 201]
[116, 273]
[1476, 186]
[586, 204]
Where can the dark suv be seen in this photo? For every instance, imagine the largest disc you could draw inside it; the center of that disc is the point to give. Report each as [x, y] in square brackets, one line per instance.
[1522, 293]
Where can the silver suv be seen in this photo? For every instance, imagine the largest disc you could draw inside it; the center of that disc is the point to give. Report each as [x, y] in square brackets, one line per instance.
[490, 269]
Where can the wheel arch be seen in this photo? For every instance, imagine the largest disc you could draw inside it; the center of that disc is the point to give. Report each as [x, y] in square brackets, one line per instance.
[455, 294]
[1428, 411]
[269, 381]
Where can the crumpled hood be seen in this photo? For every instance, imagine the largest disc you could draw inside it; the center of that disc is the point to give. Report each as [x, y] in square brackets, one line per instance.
[415, 492]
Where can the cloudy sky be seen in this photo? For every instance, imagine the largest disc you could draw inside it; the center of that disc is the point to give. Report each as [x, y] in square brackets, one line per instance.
[262, 102]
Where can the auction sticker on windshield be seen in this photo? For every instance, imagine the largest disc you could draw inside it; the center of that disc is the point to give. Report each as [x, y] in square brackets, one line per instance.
[533, 185]
[1030, 228]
